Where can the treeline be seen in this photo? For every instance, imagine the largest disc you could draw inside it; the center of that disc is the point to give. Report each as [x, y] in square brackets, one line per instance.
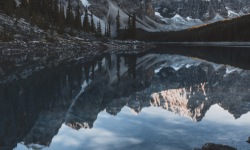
[237, 29]
[130, 29]
[129, 32]
[50, 14]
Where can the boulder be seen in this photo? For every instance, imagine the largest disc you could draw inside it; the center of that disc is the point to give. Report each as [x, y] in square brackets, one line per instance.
[248, 141]
[212, 146]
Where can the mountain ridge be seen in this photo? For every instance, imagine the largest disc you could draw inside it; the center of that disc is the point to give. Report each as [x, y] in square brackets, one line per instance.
[232, 30]
[203, 10]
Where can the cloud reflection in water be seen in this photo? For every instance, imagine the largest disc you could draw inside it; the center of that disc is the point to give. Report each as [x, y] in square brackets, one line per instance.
[154, 128]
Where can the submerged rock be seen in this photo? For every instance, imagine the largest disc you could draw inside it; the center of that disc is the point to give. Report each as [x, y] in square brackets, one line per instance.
[212, 146]
[248, 141]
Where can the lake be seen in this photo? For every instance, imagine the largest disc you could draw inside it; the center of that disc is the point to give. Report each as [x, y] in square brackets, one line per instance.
[170, 98]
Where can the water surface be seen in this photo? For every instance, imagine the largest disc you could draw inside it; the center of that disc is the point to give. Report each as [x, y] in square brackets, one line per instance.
[127, 101]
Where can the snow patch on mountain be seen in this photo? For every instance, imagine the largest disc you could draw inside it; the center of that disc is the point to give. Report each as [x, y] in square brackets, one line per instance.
[178, 18]
[179, 23]
[194, 20]
[217, 18]
[158, 15]
[85, 3]
[17, 3]
[232, 14]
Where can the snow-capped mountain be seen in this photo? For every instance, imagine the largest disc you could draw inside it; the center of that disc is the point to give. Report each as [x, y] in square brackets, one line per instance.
[182, 14]
[202, 9]
[162, 15]
[169, 15]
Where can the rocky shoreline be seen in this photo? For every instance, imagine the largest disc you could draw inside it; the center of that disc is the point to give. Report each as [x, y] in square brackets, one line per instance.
[22, 58]
[33, 49]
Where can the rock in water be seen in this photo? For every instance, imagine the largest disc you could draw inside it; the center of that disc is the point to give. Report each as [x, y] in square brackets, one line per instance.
[248, 141]
[212, 146]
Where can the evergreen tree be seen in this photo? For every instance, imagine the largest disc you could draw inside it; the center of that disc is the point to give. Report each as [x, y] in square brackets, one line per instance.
[47, 8]
[118, 25]
[61, 19]
[2, 5]
[129, 25]
[10, 7]
[22, 11]
[55, 12]
[99, 28]
[129, 22]
[92, 24]
[109, 29]
[78, 22]
[86, 25]
[35, 7]
[125, 33]
[133, 27]
[106, 32]
[69, 15]
[24, 4]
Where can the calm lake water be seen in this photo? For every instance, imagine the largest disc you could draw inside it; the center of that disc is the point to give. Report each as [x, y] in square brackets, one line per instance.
[129, 101]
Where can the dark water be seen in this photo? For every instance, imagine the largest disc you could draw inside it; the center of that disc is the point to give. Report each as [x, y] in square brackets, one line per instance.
[126, 101]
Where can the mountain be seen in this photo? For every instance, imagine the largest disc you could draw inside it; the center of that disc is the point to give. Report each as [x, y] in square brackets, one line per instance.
[205, 11]
[105, 10]
[169, 15]
[236, 29]
[161, 15]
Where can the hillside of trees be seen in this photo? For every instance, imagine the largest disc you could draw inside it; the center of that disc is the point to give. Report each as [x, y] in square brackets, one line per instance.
[237, 29]
[51, 15]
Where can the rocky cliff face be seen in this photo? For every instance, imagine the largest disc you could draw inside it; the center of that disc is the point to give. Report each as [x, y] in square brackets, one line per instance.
[106, 10]
[142, 8]
[202, 9]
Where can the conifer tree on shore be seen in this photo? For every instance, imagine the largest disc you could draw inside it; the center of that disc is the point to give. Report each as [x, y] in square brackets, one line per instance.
[86, 24]
[92, 24]
[78, 21]
[69, 15]
[118, 25]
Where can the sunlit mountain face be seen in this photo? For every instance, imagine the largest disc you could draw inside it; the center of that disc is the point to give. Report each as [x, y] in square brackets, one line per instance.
[37, 109]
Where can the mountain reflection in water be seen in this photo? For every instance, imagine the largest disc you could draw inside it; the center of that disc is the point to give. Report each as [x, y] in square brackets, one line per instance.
[46, 109]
